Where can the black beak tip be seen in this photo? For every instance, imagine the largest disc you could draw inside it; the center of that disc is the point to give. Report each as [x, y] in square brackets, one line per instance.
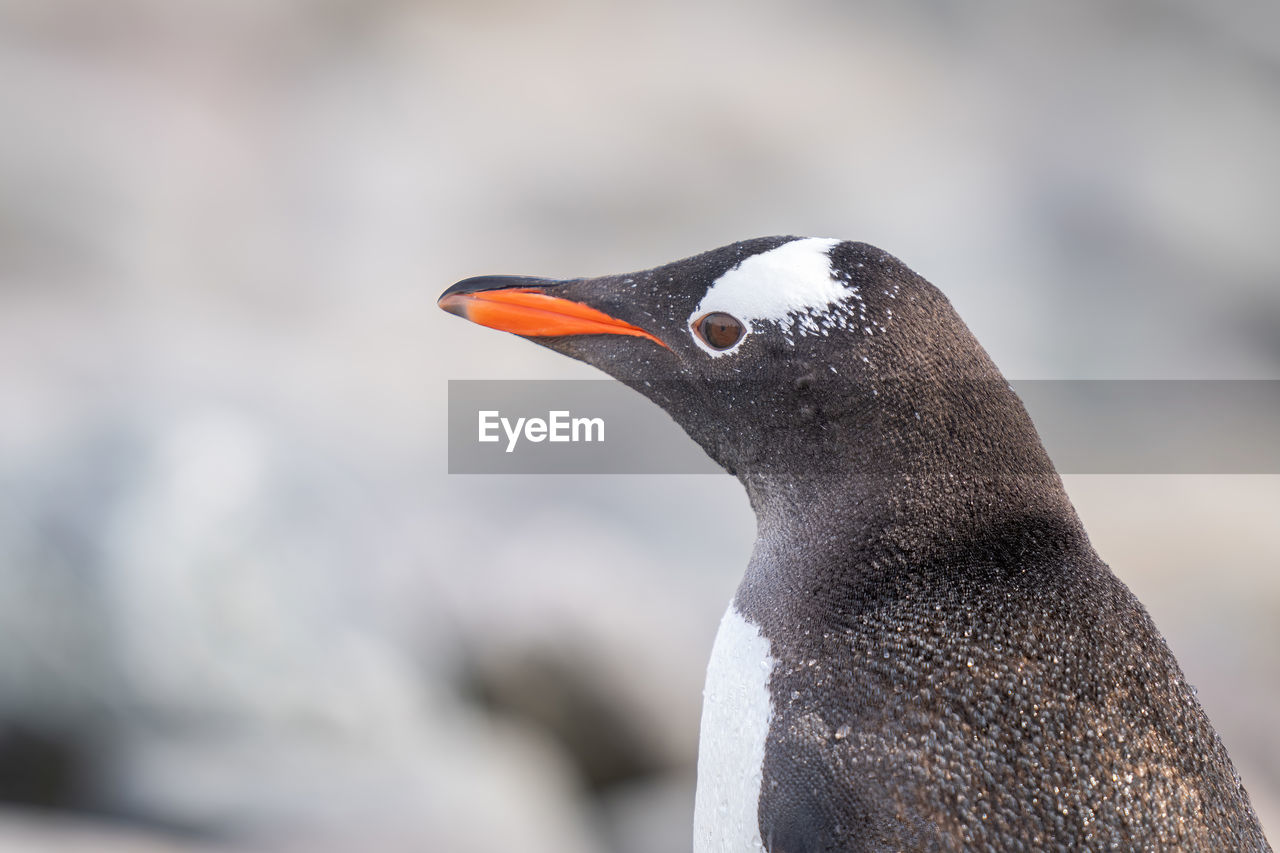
[453, 303]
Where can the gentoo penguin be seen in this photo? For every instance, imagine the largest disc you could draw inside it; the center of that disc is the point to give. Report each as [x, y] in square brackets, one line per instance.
[925, 653]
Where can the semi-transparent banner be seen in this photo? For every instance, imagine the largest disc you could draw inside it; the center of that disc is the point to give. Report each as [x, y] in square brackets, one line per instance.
[1087, 426]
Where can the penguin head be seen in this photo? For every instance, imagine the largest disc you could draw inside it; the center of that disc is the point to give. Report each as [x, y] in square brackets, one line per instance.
[775, 353]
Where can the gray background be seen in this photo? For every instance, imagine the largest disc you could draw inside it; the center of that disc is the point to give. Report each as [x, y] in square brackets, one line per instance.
[242, 605]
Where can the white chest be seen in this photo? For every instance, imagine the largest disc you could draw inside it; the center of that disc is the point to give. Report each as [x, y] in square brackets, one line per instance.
[736, 711]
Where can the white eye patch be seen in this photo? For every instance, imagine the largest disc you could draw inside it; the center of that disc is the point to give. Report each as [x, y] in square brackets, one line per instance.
[791, 286]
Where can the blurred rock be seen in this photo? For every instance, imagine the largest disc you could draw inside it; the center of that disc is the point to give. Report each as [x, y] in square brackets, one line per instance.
[52, 832]
[237, 685]
[654, 815]
[38, 769]
[610, 741]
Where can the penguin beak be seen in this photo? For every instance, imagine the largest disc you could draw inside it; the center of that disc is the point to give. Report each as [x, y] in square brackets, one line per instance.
[521, 305]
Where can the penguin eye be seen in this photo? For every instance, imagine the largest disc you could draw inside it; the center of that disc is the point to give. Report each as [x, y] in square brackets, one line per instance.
[719, 330]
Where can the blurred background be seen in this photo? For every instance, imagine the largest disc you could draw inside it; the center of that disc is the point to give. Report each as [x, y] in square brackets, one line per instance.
[242, 605]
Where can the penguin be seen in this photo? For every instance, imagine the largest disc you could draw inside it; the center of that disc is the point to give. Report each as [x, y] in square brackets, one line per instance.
[925, 653]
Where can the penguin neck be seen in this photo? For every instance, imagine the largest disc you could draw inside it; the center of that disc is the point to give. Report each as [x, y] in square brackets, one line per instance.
[891, 482]
[925, 507]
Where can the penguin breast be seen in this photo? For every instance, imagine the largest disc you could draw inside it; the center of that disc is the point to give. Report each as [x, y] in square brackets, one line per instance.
[737, 709]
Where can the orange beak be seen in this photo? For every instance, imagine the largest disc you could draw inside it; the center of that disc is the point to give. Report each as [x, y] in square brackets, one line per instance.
[535, 314]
